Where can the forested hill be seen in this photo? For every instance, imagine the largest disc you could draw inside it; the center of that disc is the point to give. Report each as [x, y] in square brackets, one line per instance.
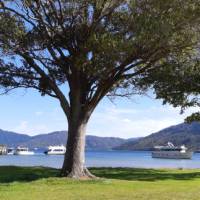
[187, 134]
[12, 139]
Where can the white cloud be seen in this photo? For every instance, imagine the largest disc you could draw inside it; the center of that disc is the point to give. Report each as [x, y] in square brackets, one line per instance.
[39, 113]
[40, 122]
[21, 127]
[109, 121]
[134, 122]
[26, 127]
[126, 120]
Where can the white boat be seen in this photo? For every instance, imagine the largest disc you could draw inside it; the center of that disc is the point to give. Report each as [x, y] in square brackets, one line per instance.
[3, 150]
[23, 151]
[56, 150]
[171, 152]
[10, 151]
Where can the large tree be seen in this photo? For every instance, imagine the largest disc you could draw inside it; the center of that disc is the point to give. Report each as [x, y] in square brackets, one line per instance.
[92, 48]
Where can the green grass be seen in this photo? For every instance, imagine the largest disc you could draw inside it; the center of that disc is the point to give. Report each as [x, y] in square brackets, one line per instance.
[21, 183]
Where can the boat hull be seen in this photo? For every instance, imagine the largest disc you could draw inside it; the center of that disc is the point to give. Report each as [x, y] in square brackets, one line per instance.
[54, 153]
[29, 153]
[10, 153]
[172, 154]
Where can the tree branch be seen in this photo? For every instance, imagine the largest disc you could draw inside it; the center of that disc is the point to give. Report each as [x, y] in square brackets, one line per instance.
[64, 102]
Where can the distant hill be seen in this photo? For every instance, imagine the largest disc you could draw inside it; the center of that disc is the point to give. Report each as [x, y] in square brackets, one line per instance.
[12, 139]
[103, 143]
[44, 140]
[187, 134]
[60, 137]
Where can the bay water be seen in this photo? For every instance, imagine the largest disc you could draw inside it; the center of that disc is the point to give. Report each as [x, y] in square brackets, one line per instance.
[135, 159]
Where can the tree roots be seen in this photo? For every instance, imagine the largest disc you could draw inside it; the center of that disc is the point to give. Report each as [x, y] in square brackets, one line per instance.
[85, 174]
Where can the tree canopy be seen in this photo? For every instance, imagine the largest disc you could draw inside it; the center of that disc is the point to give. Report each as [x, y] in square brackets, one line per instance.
[178, 83]
[44, 43]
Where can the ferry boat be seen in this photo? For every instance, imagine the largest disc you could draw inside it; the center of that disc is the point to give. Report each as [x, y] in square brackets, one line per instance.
[10, 151]
[23, 151]
[3, 150]
[56, 150]
[171, 152]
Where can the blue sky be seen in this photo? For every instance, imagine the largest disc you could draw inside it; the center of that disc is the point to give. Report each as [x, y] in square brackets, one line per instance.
[27, 112]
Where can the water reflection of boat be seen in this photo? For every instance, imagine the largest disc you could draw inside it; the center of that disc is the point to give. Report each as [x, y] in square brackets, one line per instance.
[171, 152]
[23, 151]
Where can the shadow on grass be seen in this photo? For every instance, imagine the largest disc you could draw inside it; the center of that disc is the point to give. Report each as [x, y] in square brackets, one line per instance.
[10, 174]
[145, 174]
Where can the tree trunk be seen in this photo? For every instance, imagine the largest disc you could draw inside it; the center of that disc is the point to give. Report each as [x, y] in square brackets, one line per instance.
[74, 161]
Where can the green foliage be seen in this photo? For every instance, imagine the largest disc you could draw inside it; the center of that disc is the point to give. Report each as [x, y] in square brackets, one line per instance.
[107, 45]
[193, 117]
[177, 83]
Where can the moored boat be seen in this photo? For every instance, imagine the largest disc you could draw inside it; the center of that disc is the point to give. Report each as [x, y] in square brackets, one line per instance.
[3, 150]
[171, 152]
[10, 151]
[23, 151]
[56, 150]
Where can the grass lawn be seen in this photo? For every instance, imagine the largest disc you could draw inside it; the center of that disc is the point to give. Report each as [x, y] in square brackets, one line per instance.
[19, 183]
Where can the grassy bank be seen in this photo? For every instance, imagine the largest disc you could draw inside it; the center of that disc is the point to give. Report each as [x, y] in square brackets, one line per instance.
[17, 183]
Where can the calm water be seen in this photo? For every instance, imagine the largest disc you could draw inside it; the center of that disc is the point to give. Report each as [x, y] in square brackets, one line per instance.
[104, 159]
